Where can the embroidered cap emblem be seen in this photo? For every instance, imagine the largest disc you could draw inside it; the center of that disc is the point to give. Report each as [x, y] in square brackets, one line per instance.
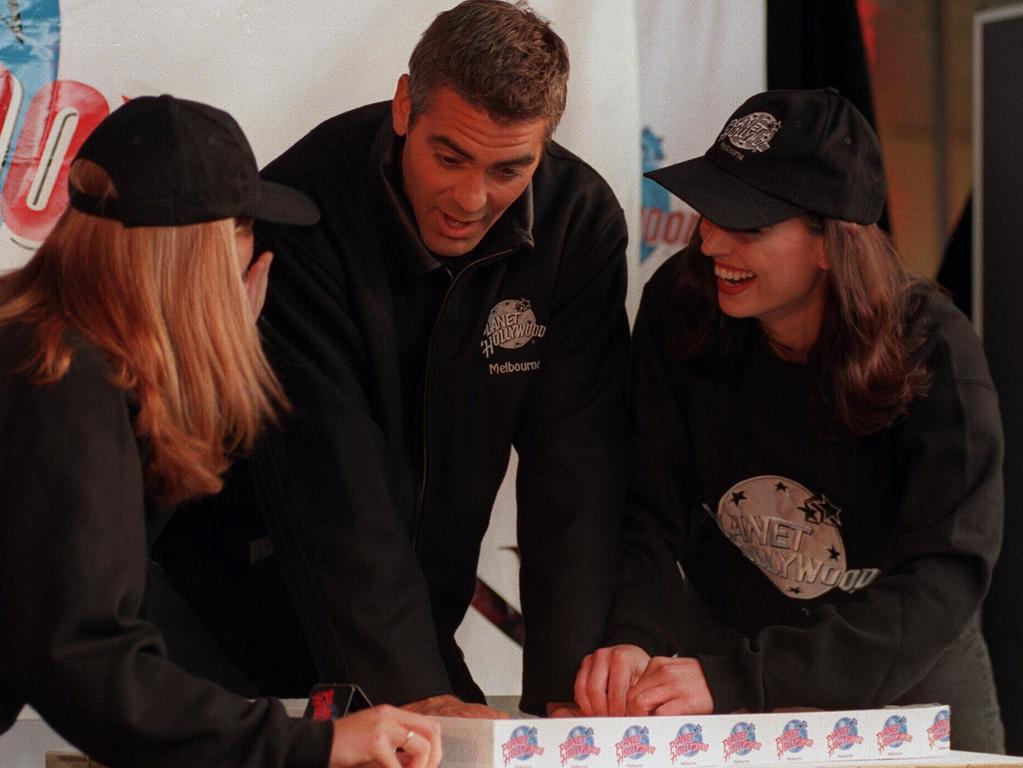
[753, 131]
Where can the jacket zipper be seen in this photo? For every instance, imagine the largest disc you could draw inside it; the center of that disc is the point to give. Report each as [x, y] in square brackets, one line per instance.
[426, 384]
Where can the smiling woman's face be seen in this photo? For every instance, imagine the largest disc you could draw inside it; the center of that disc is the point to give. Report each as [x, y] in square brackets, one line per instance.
[776, 275]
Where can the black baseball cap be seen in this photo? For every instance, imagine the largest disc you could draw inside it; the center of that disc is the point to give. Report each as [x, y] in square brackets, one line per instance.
[175, 162]
[781, 154]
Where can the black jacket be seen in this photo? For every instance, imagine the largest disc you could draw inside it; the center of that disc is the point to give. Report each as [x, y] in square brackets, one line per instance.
[73, 539]
[411, 379]
[821, 573]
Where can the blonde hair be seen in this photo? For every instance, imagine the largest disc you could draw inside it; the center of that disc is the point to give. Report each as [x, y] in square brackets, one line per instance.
[167, 306]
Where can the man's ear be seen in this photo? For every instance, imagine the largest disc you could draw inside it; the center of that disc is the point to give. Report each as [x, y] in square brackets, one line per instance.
[401, 107]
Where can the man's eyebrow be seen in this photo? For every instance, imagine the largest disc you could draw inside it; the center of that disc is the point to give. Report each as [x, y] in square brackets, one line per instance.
[527, 158]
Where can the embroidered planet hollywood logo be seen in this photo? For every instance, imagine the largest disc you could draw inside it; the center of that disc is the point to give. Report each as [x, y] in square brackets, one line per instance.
[794, 738]
[510, 325]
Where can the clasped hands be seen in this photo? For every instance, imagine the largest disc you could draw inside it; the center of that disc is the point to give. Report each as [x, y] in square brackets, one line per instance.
[623, 680]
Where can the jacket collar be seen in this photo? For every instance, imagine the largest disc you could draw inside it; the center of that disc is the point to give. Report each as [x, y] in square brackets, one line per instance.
[510, 233]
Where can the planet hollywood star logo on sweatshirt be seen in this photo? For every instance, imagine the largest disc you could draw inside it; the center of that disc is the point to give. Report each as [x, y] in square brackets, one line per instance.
[522, 745]
[688, 743]
[793, 535]
[941, 730]
[894, 734]
[511, 324]
[579, 745]
[741, 741]
[635, 744]
[844, 736]
[794, 738]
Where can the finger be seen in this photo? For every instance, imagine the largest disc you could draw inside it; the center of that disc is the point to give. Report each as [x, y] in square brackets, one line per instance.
[428, 734]
[414, 751]
[618, 683]
[644, 698]
[596, 687]
[582, 677]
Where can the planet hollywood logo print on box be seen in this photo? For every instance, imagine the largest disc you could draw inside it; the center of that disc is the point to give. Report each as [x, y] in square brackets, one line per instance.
[894, 734]
[511, 324]
[522, 745]
[941, 729]
[741, 741]
[844, 736]
[793, 536]
[579, 745]
[794, 738]
[635, 744]
[688, 743]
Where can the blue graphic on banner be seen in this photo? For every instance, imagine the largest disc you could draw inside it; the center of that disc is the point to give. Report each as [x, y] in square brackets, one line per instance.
[30, 49]
[654, 195]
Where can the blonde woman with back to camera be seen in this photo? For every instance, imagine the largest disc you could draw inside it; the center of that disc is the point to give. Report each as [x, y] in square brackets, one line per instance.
[130, 373]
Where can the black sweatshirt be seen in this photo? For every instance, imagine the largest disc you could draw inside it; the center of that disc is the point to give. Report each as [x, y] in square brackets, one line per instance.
[73, 542]
[824, 573]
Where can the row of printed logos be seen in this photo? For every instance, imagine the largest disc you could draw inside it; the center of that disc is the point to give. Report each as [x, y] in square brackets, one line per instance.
[803, 737]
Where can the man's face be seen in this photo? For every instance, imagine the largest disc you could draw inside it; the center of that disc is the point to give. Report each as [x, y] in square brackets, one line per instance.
[461, 169]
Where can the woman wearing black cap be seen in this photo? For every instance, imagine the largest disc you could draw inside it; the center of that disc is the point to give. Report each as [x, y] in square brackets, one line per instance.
[817, 445]
[130, 371]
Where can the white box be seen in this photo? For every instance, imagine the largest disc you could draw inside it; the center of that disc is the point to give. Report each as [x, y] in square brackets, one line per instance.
[774, 739]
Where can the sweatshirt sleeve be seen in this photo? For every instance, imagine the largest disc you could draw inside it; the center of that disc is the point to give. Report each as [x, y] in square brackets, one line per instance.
[649, 583]
[570, 484]
[328, 486]
[869, 649]
[72, 575]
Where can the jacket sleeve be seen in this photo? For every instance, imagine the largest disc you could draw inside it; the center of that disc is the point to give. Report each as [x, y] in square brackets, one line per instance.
[869, 648]
[649, 591]
[570, 482]
[72, 575]
[327, 485]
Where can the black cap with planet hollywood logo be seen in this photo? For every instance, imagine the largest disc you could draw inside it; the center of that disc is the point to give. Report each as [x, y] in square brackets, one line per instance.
[781, 154]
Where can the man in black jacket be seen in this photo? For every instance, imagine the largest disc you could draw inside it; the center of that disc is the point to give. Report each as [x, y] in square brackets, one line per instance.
[463, 294]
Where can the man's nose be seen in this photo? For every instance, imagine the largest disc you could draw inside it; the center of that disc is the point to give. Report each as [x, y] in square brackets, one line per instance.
[471, 192]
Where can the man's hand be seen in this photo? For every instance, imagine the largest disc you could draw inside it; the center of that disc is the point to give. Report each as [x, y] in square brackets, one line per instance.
[446, 705]
[605, 677]
[562, 709]
[670, 687]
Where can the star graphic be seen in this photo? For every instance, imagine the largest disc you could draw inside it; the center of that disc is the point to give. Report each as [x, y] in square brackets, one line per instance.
[795, 590]
[829, 512]
[809, 512]
[737, 497]
[780, 486]
[833, 553]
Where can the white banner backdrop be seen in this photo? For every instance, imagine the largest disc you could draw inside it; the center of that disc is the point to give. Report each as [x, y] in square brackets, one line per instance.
[656, 74]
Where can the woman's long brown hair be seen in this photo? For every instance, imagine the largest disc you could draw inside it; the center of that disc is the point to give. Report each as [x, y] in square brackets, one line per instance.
[863, 366]
[167, 307]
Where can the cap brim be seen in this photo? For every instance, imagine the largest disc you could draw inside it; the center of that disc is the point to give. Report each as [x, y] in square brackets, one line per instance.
[281, 204]
[721, 197]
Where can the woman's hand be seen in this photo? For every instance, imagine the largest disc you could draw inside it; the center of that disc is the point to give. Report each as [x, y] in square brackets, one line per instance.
[670, 687]
[606, 676]
[376, 735]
